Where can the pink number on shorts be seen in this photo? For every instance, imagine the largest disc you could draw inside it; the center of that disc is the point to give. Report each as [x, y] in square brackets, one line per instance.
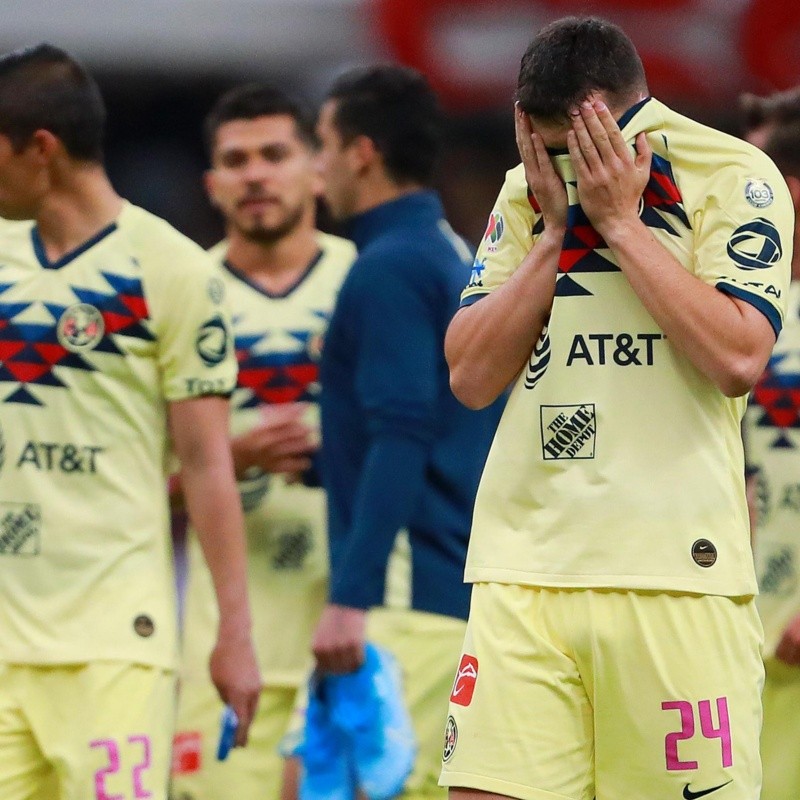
[686, 732]
[723, 732]
[139, 792]
[112, 767]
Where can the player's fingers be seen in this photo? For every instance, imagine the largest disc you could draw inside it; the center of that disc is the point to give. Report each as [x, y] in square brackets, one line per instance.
[585, 144]
[542, 158]
[644, 153]
[615, 137]
[597, 132]
[282, 412]
[576, 154]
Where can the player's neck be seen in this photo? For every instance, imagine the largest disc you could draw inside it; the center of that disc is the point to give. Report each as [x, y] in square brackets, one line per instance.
[277, 265]
[376, 189]
[78, 206]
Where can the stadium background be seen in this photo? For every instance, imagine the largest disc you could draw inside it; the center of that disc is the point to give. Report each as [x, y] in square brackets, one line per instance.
[161, 63]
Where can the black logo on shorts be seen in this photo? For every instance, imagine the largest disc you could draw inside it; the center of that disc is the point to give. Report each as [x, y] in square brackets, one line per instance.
[144, 626]
[450, 739]
[704, 553]
[568, 431]
[688, 794]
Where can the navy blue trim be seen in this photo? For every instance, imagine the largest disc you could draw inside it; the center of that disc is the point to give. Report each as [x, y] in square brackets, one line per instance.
[621, 122]
[473, 298]
[245, 278]
[38, 247]
[764, 306]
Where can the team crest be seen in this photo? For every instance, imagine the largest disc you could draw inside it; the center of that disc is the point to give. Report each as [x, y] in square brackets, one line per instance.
[80, 328]
[450, 739]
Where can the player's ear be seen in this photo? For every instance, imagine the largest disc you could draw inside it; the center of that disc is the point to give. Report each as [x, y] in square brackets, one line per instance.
[363, 153]
[43, 146]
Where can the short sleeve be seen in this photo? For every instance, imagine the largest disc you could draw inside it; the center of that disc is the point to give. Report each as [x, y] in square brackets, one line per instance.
[192, 324]
[507, 240]
[744, 234]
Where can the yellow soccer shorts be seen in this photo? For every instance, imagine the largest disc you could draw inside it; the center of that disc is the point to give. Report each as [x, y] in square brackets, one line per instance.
[249, 773]
[780, 737]
[575, 694]
[95, 731]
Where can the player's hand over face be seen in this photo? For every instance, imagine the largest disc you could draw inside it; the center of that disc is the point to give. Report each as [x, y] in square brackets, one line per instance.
[338, 644]
[788, 649]
[234, 671]
[611, 180]
[280, 443]
[544, 182]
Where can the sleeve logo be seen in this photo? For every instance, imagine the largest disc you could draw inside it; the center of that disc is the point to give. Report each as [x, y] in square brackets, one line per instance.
[758, 193]
[755, 245]
[475, 278]
[212, 342]
[494, 231]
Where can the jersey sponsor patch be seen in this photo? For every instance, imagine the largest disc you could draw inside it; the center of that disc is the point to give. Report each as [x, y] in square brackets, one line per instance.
[755, 245]
[212, 341]
[494, 231]
[466, 678]
[187, 752]
[20, 529]
[568, 431]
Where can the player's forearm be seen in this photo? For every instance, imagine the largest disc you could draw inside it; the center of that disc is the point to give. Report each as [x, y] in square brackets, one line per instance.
[388, 492]
[489, 342]
[727, 340]
[215, 510]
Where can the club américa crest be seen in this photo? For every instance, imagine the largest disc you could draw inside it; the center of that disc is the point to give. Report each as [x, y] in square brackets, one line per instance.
[80, 328]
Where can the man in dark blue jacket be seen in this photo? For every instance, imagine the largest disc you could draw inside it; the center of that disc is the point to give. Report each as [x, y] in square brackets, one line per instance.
[401, 457]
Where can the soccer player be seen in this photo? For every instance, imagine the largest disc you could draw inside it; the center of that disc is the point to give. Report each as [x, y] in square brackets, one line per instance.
[773, 450]
[115, 344]
[634, 296]
[401, 457]
[281, 277]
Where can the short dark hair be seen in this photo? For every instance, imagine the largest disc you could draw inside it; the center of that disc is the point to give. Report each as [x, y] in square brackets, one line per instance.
[255, 100]
[396, 107]
[783, 147]
[777, 108]
[570, 58]
[44, 88]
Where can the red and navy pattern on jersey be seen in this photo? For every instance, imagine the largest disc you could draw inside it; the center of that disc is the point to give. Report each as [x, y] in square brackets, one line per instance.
[777, 395]
[661, 206]
[31, 353]
[278, 376]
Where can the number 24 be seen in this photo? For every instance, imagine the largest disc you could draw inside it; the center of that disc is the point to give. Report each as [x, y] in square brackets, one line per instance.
[721, 732]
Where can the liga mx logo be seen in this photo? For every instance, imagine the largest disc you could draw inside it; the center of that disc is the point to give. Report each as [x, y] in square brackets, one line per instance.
[494, 230]
[755, 245]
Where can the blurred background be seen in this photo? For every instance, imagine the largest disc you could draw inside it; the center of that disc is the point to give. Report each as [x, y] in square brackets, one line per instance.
[162, 63]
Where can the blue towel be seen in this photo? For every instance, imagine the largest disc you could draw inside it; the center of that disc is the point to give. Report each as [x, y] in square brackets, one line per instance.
[358, 733]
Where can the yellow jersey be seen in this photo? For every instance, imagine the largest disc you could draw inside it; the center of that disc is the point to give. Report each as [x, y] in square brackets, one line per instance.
[278, 341]
[617, 463]
[92, 348]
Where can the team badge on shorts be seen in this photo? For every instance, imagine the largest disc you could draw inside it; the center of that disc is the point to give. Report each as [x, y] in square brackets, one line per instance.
[80, 328]
[464, 684]
[450, 739]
